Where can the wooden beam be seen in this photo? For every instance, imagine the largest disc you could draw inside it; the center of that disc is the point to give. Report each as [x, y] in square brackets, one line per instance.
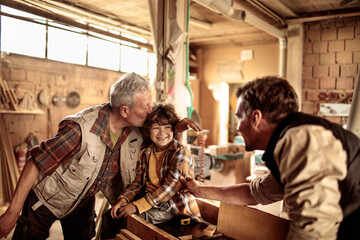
[320, 18]
[146, 230]
[9, 166]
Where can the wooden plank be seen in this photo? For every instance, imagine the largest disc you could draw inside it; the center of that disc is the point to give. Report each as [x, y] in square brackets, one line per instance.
[121, 237]
[146, 230]
[3, 89]
[129, 234]
[242, 222]
[209, 210]
[9, 166]
[2, 193]
[12, 100]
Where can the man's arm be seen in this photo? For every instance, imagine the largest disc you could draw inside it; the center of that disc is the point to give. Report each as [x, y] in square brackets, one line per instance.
[26, 181]
[238, 194]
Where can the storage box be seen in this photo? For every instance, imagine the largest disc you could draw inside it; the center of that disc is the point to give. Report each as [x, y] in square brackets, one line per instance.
[233, 221]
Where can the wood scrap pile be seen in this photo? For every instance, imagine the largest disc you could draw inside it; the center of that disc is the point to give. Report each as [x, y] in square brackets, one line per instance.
[8, 97]
[9, 172]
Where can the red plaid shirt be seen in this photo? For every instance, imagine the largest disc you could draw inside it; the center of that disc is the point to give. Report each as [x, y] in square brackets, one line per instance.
[67, 142]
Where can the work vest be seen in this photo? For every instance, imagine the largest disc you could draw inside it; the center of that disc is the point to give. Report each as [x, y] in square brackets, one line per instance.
[62, 191]
[350, 186]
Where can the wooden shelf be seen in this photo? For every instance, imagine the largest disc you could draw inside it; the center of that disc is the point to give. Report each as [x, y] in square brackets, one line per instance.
[35, 111]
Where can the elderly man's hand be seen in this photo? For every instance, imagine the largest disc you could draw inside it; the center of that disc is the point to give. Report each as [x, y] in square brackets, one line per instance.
[7, 223]
[186, 123]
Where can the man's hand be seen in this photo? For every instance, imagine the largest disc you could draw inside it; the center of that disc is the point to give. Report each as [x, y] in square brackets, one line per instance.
[190, 184]
[186, 123]
[7, 223]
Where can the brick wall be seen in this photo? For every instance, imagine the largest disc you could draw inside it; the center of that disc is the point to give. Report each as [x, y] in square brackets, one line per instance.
[34, 75]
[331, 62]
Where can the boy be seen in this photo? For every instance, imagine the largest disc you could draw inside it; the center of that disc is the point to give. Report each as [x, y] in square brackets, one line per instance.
[154, 193]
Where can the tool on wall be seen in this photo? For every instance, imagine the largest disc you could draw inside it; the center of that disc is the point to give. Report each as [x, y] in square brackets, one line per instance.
[58, 99]
[28, 101]
[73, 99]
[44, 98]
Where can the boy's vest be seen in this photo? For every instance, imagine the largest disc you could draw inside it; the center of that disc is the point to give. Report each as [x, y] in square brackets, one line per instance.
[350, 186]
[62, 191]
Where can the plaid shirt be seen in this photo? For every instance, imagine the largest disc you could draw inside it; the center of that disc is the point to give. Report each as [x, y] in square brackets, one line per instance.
[67, 142]
[176, 162]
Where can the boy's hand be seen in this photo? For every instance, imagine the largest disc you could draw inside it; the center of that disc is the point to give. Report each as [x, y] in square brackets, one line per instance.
[117, 206]
[126, 210]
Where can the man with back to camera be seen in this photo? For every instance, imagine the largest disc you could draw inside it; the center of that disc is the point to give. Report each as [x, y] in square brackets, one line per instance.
[314, 164]
[93, 150]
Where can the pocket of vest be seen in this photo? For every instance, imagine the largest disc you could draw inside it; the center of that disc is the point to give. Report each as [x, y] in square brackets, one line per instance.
[61, 191]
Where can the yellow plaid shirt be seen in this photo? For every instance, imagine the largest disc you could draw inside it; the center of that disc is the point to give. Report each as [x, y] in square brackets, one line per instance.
[176, 162]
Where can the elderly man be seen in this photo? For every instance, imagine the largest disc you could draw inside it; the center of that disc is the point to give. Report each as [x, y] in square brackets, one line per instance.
[93, 150]
[314, 164]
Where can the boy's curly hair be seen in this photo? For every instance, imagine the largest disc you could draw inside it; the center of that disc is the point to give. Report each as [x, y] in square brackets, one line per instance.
[163, 114]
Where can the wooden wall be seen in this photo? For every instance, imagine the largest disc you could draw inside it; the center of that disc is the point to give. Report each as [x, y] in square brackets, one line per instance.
[24, 74]
[265, 62]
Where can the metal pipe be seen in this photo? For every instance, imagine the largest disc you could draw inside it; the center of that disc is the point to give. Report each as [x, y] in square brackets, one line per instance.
[252, 19]
[226, 8]
[353, 124]
[282, 57]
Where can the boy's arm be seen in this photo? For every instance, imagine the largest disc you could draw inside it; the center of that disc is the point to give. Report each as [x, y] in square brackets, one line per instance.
[179, 165]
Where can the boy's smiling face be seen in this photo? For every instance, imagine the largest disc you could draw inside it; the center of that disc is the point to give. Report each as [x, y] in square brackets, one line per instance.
[161, 135]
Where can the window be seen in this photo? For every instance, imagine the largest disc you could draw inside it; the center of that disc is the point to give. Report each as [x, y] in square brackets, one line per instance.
[133, 60]
[40, 37]
[103, 53]
[66, 46]
[22, 37]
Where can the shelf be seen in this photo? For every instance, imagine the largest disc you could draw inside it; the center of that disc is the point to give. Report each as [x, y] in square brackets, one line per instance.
[35, 111]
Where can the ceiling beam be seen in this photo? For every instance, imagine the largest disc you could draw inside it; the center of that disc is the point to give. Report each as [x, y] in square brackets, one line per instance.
[323, 17]
[253, 35]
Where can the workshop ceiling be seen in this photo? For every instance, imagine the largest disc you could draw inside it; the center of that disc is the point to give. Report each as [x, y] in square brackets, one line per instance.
[207, 27]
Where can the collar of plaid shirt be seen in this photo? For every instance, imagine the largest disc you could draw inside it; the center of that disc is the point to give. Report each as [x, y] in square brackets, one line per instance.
[101, 128]
[110, 166]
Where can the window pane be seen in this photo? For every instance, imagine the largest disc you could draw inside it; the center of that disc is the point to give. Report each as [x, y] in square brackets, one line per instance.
[66, 46]
[22, 37]
[103, 54]
[133, 60]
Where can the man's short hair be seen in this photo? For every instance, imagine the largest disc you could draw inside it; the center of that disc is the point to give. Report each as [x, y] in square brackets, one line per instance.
[122, 92]
[273, 96]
